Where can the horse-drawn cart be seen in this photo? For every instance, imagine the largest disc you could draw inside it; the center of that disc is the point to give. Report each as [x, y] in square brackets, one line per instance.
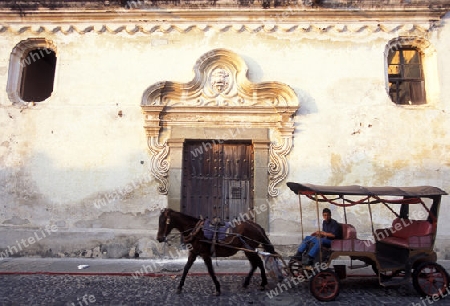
[396, 254]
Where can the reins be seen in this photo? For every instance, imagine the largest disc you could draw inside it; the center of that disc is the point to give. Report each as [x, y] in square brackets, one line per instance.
[168, 220]
[166, 213]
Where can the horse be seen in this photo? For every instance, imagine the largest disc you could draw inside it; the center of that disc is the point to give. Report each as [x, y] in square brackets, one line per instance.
[246, 236]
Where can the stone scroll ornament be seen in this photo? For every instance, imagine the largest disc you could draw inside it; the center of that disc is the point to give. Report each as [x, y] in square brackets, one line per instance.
[159, 165]
[278, 166]
[219, 90]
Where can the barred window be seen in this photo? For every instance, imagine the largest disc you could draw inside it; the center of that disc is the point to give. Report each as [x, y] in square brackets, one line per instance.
[406, 77]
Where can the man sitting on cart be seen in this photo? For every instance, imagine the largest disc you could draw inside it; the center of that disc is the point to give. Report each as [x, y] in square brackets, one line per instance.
[330, 230]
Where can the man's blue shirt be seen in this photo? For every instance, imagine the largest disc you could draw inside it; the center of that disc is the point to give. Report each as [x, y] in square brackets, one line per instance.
[332, 227]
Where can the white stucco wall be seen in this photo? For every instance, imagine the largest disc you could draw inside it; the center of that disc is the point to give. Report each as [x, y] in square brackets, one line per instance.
[62, 157]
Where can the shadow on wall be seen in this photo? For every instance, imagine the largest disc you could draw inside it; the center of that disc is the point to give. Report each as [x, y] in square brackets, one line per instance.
[90, 216]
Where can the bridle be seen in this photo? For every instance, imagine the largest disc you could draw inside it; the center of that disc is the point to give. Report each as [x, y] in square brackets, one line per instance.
[166, 214]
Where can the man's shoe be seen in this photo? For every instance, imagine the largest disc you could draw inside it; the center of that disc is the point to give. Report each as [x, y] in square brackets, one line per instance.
[297, 256]
[310, 261]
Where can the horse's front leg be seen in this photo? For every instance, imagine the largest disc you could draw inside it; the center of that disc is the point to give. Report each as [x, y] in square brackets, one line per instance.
[191, 258]
[209, 265]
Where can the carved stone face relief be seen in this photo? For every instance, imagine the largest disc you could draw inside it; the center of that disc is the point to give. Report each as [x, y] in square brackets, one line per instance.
[220, 80]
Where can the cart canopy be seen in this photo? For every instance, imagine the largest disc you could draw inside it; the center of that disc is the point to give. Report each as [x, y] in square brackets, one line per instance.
[418, 191]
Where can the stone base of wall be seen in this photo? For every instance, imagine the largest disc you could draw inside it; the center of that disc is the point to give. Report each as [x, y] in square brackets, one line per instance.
[88, 243]
[126, 244]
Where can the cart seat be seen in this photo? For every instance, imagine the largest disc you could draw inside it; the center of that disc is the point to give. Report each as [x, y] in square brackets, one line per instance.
[348, 231]
[350, 243]
[412, 234]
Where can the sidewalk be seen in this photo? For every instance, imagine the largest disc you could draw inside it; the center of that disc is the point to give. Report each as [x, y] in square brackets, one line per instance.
[147, 267]
[119, 267]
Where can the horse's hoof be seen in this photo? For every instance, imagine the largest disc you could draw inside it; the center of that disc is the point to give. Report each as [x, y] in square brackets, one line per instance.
[178, 291]
[217, 293]
[262, 288]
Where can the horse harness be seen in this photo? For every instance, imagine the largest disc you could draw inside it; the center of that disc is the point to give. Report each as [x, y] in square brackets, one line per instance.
[214, 232]
[218, 227]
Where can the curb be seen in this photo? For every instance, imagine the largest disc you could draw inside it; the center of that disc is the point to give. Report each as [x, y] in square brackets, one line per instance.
[133, 274]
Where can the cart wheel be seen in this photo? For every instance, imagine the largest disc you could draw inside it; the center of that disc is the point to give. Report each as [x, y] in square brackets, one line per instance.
[324, 286]
[430, 279]
[295, 267]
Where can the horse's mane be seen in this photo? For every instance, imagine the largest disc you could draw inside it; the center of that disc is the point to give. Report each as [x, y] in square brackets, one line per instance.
[186, 217]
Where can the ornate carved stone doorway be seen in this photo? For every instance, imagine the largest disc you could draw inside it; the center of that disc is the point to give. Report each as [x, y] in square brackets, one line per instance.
[220, 104]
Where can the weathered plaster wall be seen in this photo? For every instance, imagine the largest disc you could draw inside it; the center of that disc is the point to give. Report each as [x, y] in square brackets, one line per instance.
[73, 161]
[76, 167]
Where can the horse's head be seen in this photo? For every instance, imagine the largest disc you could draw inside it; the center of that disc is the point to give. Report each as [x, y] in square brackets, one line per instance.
[165, 226]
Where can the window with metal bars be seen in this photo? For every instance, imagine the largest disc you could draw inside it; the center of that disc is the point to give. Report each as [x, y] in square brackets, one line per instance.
[406, 79]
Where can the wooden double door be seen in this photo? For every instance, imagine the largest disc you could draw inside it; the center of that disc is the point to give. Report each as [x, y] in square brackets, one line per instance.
[217, 179]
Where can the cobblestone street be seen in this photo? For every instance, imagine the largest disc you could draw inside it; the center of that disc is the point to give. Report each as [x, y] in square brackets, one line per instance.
[40, 289]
